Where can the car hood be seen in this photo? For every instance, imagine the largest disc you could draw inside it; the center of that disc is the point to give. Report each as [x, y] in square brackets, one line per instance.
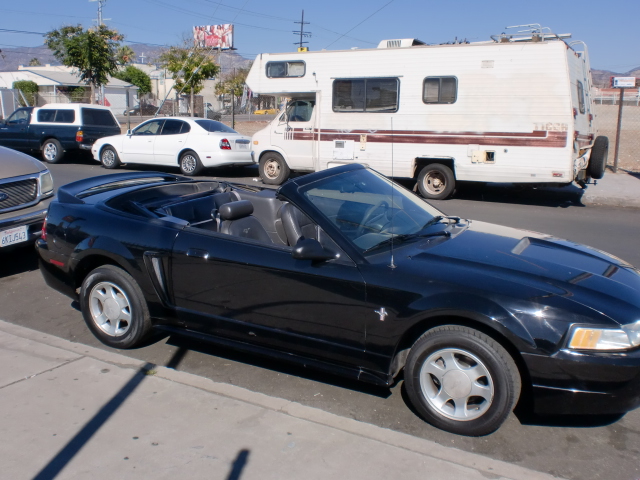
[16, 164]
[576, 272]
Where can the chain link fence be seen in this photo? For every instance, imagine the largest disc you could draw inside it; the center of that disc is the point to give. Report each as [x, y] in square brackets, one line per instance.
[606, 118]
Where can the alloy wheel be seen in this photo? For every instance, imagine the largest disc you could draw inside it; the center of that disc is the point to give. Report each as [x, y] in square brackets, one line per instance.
[110, 308]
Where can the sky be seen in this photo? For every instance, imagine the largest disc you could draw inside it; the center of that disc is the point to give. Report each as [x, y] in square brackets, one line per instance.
[611, 30]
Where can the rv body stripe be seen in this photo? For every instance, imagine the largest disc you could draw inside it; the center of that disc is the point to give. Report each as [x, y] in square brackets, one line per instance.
[538, 138]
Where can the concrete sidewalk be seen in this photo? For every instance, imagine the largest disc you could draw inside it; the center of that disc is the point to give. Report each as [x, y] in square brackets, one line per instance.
[614, 189]
[71, 411]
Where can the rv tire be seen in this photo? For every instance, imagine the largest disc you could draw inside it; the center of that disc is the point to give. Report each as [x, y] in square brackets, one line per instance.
[598, 159]
[436, 181]
[273, 169]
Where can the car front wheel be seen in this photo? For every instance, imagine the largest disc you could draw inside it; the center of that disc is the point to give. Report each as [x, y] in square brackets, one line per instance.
[109, 158]
[273, 169]
[461, 380]
[114, 308]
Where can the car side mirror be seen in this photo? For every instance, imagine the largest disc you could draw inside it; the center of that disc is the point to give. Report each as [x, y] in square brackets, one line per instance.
[129, 133]
[310, 249]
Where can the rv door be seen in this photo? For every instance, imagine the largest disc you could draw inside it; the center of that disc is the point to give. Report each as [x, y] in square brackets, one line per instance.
[294, 134]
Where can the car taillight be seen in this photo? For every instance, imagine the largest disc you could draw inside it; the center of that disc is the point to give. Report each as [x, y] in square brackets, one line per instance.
[224, 144]
[43, 236]
[79, 135]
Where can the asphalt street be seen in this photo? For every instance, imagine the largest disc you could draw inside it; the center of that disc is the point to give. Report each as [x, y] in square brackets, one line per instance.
[575, 448]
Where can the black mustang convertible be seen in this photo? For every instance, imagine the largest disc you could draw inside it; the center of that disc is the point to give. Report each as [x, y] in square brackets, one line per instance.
[345, 271]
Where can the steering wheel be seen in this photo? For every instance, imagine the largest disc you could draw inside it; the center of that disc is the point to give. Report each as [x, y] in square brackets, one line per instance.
[369, 215]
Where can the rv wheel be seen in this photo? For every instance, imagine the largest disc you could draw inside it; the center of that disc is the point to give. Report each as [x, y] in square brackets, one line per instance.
[598, 159]
[436, 181]
[273, 169]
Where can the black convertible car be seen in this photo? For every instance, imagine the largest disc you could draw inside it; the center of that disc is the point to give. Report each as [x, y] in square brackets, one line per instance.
[344, 271]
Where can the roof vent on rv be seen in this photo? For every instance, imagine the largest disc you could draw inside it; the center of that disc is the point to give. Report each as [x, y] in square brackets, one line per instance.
[402, 42]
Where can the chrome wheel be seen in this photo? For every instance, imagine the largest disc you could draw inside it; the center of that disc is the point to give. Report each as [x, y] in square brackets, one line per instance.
[110, 309]
[272, 169]
[456, 384]
[108, 158]
[434, 182]
[189, 163]
[50, 151]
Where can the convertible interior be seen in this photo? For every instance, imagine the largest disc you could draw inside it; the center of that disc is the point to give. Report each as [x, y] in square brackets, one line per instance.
[239, 210]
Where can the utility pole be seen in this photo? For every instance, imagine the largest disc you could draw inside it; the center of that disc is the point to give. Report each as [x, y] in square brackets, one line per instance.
[100, 22]
[302, 34]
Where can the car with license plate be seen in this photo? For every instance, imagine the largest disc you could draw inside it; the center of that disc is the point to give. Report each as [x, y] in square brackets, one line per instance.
[192, 144]
[26, 189]
[345, 271]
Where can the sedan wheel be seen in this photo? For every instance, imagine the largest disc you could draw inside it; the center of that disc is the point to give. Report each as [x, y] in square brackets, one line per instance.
[109, 158]
[114, 307]
[190, 164]
[462, 380]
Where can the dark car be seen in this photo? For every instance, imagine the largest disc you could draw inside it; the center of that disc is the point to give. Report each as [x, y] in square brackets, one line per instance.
[26, 188]
[57, 128]
[142, 110]
[343, 270]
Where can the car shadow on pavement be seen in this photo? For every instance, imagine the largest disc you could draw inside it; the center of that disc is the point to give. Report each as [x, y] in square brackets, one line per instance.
[276, 365]
[18, 260]
[564, 421]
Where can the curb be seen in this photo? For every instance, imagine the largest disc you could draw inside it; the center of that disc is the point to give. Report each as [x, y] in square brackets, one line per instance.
[490, 467]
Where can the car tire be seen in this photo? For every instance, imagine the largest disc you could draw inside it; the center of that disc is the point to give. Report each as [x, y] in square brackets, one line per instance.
[190, 163]
[273, 169]
[114, 307]
[109, 158]
[598, 158]
[461, 380]
[436, 182]
[52, 151]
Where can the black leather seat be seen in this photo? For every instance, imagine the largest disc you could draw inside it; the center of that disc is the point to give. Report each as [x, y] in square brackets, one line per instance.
[238, 221]
[296, 224]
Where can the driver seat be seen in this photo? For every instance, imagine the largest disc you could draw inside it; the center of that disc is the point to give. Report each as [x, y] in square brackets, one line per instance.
[296, 224]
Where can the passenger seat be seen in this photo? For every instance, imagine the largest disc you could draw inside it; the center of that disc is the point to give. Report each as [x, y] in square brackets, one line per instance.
[238, 221]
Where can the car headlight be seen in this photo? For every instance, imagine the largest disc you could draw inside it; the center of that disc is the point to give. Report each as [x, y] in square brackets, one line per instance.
[46, 183]
[587, 338]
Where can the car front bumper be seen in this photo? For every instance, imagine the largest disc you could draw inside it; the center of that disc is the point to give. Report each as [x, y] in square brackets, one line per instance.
[580, 383]
[31, 217]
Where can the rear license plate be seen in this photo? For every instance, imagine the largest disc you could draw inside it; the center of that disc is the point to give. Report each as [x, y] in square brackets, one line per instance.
[242, 146]
[13, 235]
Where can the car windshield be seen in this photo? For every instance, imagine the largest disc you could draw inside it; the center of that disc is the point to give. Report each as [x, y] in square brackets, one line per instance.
[368, 208]
[213, 126]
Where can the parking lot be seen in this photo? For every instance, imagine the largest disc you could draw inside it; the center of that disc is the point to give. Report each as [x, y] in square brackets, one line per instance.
[577, 448]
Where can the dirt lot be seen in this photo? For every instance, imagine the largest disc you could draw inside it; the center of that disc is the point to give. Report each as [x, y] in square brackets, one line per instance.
[606, 123]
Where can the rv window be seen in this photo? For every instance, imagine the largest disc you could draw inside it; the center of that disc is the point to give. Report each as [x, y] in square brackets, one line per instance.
[285, 69]
[300, 111]
[440, 90]
[581, 96]
[366, 95]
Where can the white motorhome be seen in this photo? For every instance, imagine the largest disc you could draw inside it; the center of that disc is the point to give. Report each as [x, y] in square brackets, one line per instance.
[513, 109]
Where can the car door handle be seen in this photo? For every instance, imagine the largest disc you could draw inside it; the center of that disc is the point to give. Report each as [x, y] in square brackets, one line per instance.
[197, 253]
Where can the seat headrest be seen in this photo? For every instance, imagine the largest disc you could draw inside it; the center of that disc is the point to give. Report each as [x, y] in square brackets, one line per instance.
[236, 210]
[225, 197]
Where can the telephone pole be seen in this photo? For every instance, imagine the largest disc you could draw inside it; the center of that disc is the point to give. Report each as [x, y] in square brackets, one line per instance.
[302, 33]
[100, 20]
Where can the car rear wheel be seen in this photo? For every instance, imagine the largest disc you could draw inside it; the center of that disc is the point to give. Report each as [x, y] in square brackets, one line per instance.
[273, 169]
[114, 308]
[598, 158]
[190, 163]
[436, 181]
[109, 158]
[52, 151]
[461, 380]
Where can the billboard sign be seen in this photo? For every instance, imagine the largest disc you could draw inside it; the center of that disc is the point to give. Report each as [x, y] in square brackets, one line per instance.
[623, 82]
[214, 36]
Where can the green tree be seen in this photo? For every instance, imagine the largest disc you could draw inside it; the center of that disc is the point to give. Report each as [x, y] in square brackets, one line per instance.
[125, 55]
[233, 82]
[93, 52]
[29, 89]
[136, 77]
[189, 67]
[34, 62]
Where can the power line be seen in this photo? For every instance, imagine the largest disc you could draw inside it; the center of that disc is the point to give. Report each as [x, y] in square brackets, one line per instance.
[384, 6]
